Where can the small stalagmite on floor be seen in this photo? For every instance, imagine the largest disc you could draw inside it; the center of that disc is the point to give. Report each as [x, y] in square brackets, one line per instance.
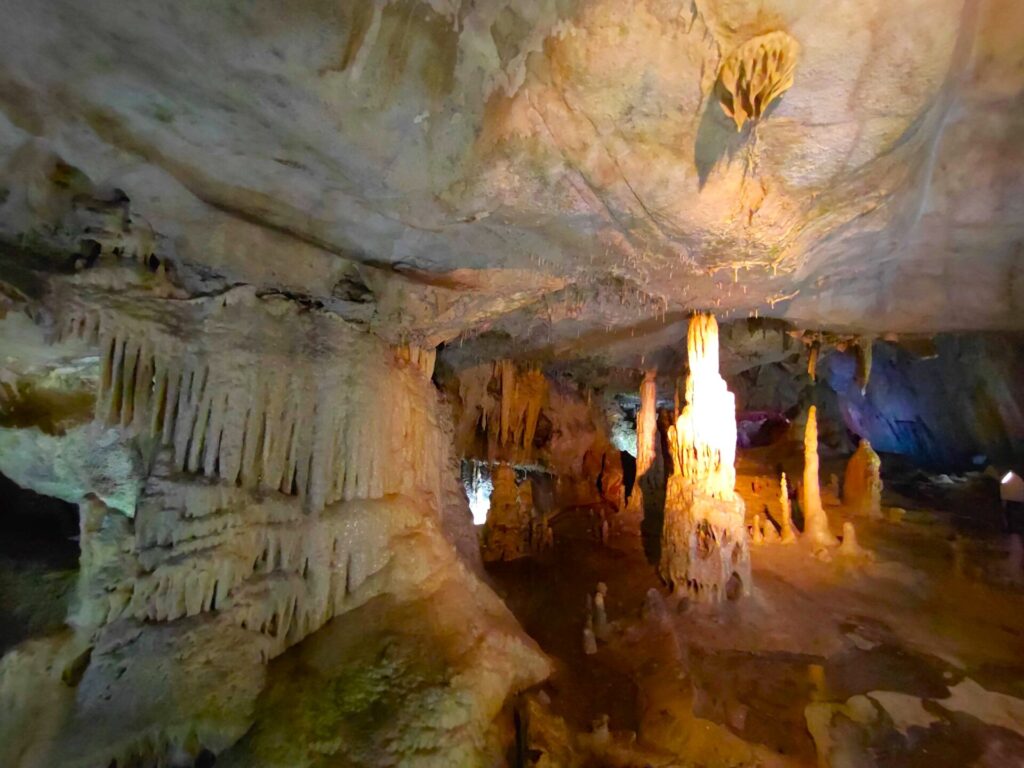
[788, 533]
[815, 520]
[862, 487]
[704, 539]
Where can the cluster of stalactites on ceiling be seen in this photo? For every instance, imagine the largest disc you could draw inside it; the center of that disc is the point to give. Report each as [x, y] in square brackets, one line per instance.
[756, 74]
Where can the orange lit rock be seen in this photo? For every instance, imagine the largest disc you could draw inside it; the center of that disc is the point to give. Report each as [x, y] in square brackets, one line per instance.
[506, 534]
[815, 519]
[756, 74]
[862, 488]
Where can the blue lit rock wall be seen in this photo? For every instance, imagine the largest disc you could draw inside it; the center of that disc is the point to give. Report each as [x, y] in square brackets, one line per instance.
[963, 399]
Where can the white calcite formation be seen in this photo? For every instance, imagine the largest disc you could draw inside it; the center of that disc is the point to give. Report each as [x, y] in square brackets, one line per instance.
[816, 528]
[704, 539]
[297, 468]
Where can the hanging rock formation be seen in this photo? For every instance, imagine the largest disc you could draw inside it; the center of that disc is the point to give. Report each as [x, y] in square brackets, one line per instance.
[864, 350]
[501, 405]
[815, 520]
[704, 539]
[862, 486]
[296, 468]
[756, 74]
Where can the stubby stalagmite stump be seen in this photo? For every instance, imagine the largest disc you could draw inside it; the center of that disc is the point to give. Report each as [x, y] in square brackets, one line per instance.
[862, 487]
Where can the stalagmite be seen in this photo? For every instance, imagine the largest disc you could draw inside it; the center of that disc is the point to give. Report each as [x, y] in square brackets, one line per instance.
[704, 538]
[601, 628]
[815, 520]
[862, 485]
[756, 534]
[503, 402]
[589, 641]
[788, 533]
[849, 548]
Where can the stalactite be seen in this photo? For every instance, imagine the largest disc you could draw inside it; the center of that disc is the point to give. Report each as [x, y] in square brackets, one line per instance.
[850, 548]
[812, 361]
[864, 347]
[315, 413]
[816, 526]
[704, 539]
[504, 404]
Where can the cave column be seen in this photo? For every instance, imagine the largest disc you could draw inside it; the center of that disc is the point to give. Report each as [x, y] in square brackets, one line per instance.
[646, 441]
[506, 534]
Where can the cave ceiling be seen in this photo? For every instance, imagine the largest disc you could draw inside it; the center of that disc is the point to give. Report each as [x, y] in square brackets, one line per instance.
[548, 177]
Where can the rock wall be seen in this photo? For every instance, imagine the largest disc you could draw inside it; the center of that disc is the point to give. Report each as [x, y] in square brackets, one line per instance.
[506, 412]
[939, 402]
[295, 469]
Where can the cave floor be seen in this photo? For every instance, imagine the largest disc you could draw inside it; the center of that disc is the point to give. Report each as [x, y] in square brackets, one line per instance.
[910, 656]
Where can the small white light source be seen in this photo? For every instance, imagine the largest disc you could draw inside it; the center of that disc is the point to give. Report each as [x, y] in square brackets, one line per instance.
[1011, 488]
[478, 492]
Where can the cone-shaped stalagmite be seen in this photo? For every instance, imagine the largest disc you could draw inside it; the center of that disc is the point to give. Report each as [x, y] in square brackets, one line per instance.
[787, 532]
[862, 487]
[704, 539]
[815, 519]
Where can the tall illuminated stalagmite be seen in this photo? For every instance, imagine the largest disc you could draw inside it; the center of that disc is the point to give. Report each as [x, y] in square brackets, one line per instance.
[787, 532]
[704, 540]
[815, 520]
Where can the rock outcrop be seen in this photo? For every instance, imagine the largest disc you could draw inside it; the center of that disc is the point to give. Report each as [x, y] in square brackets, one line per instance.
[294, 468]
[862, 485]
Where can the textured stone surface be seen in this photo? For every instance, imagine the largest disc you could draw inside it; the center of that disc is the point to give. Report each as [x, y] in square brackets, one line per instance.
[454, 162]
